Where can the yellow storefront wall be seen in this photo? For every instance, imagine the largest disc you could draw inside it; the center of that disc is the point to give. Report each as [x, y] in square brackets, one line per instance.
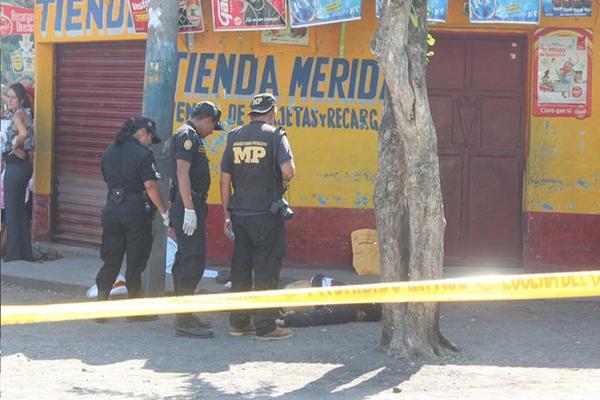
[336, 166]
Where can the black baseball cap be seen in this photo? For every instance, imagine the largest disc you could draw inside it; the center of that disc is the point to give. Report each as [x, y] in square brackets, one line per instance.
[207, 109]
[150, 125]
[262, 103]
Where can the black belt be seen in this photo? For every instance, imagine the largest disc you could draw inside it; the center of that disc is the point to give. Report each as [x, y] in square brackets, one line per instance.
[202, 196]
[120, 194]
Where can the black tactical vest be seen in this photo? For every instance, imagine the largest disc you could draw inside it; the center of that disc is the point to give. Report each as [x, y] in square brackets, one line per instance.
[255, 178]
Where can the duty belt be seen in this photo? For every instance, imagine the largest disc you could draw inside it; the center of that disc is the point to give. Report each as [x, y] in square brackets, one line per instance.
[119, 194]
[201, 196]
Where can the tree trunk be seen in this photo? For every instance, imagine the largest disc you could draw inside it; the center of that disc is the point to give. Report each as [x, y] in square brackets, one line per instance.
[408, 199]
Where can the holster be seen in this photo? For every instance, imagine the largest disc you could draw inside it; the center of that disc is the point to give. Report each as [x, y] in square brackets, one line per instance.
[172, 192]
[197, 198]
[116, 195]
[149, 206]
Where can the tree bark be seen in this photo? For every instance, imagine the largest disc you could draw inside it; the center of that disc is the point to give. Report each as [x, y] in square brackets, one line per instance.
[408, 199]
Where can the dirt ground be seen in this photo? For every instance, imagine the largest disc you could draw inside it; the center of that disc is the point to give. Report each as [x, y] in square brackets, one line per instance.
[516, 350]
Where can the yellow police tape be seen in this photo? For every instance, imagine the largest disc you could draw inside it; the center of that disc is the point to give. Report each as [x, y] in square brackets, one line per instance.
[482, 288]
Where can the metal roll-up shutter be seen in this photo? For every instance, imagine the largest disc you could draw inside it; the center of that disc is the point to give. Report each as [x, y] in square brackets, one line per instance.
[98, 86]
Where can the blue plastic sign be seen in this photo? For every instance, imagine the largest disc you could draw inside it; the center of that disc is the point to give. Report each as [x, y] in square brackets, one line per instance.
[504, 11]
[437, 10]
[320, 12]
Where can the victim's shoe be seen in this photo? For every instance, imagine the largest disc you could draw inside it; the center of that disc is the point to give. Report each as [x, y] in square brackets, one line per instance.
[278, 333]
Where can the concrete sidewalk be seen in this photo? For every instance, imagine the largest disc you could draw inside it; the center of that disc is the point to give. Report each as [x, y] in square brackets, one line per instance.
[76, 271]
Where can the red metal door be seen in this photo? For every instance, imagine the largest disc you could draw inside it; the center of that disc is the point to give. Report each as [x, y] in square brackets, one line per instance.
[98, 86]
[477, 98]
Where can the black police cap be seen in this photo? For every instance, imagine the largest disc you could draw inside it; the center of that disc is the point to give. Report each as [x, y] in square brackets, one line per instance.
[262, 103]
[150, 125]
[207, 109]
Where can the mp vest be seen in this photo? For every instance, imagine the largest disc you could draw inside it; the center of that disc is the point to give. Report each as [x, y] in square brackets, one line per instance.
[256, 181]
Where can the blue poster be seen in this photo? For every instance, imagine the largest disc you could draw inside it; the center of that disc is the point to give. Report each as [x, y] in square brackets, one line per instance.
[567, 8]
[319, 12]
[504, 11]
[436, 10]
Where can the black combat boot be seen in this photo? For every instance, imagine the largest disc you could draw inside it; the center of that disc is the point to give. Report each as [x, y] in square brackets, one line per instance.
[187, 325]
[102, 296]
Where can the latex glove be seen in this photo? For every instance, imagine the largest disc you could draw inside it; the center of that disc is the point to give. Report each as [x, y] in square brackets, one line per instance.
[190, 222]
[166, 219]
[228, 230]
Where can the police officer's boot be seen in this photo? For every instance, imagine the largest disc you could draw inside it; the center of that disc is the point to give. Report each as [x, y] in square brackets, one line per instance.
[140, 318]
[102, 296]
[186, 325]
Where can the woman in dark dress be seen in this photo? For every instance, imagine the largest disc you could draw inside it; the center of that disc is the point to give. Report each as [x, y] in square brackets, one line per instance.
[16, 149]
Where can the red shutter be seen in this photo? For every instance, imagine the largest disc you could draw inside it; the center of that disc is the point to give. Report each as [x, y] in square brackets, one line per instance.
[98, 86]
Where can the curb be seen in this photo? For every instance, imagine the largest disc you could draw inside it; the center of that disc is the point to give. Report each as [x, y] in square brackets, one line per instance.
[69, 289]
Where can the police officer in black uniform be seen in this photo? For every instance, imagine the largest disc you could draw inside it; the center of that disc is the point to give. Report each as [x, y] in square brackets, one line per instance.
[129, 171]
[191, 182]
[256, 163]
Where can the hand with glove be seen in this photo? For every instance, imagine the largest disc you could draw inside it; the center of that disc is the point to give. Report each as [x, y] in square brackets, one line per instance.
[166, 219]
[190, 222]
[228, 230]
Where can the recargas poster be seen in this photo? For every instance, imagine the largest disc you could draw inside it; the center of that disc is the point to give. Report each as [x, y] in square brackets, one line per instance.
[236, 15]
[563, 64]
[17, 44]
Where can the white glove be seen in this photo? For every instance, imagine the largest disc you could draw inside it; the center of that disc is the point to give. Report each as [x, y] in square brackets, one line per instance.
[190, 222]
[166, 220]
[228, 230]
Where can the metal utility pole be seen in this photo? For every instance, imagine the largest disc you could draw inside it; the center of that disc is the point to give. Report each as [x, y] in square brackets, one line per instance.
[160, 81]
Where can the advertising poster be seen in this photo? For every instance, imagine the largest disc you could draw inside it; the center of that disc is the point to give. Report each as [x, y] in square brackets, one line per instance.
[287, 36]
[567, 8]
[190, 15]
[15, 20]
[320, 12]
[248, 15]
[504, 11]
[563, 65]
[437, 10]
[17, 45]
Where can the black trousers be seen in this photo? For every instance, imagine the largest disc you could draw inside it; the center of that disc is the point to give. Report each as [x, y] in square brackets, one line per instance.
[126, 229]
[18, 227]
[259, 247]
[190, 258]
